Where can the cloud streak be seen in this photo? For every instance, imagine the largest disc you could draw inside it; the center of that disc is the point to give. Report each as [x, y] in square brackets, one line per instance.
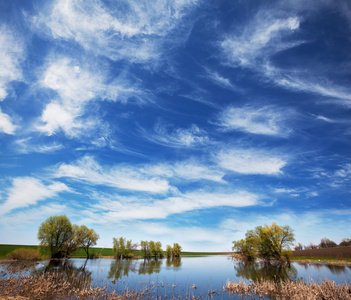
[125, 30]
[261, 120]
[27, 191]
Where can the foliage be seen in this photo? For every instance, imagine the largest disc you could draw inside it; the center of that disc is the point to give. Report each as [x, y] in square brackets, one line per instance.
[54, 234]
[63, 239]
[268, 242]
[169, 251]
[327, 243]
[246, 248]
[24, 254]
[176, 250]
[345, 242]
[87, 238]
[123, 248]
[151, 249]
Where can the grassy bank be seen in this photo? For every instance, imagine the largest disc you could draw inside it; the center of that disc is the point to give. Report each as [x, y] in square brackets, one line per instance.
[103, 252]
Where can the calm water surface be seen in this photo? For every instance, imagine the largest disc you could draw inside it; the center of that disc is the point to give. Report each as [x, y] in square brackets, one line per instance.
[189, 276]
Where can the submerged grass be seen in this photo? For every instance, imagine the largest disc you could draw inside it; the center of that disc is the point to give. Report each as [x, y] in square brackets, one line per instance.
[327, 290]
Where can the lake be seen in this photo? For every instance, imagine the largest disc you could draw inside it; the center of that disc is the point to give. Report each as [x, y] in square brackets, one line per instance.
[202, 277]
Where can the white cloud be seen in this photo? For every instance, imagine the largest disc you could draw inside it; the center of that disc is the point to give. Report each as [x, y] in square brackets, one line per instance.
[261, 120]
[26, 191]
[118, 176]
[128, 208]
[344, 172]
[11, 56]
[250, 161]
[125, 30]
[259, 39]
[185, 170]
[77, 84]
[177, 138]
[26, 146]
[6, 124]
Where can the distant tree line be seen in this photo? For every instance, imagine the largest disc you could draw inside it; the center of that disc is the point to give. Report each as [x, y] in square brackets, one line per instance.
[61, 238]
[148, 249]
[325, 243]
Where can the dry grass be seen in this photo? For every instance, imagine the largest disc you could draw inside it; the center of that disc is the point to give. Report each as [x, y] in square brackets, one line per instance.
[56, 286]
[327, 290]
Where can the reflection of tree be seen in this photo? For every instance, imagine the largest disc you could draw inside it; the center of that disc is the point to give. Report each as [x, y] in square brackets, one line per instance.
[121, 267]
[258, 271]
[336, 269]
[149, 266]
[175, 262]
[78, 276]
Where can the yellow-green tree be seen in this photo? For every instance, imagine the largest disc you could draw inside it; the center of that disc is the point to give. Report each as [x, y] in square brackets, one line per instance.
[87, 237]
[169, 251]
[267, 242]
[123, 248]
[176, 250]
[54, 233]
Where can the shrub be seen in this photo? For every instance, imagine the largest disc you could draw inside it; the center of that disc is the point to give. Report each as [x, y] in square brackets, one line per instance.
[24, 254]
[345, 243]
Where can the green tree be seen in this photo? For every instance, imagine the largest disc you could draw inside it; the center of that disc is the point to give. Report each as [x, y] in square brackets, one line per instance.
[73, 243]
[169, 251]
[268, 242]
[87, 237]
[176, 250]
[123, 248]
[54, 233]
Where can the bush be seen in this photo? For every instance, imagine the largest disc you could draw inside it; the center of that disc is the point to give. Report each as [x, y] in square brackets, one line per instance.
[24, 254]
[345, 243]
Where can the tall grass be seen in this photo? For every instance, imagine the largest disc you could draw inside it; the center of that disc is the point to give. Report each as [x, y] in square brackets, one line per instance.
[327, 290]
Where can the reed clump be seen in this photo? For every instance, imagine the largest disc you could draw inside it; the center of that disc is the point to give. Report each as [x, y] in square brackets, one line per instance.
[327, 290]
[58, 286]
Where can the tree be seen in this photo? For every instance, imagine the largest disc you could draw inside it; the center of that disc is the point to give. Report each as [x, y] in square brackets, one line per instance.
[169, 251]
[123, 248]
[176, 250]
[299, 246]
[73, 243]
[327, 243]
[268, 242]
[87, 238]
[54, 233]
[345, 242]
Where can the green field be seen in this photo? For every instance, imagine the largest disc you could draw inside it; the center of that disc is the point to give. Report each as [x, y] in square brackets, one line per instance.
[6, 249]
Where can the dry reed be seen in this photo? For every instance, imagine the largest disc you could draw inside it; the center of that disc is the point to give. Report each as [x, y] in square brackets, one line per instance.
[327, 290]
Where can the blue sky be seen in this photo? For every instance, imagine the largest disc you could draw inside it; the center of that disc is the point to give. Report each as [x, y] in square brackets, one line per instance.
[182, 121]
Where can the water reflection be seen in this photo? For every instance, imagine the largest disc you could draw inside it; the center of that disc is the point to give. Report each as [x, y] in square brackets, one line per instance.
[120, 268]
[258, 271]
[334, 269]
[78, 275]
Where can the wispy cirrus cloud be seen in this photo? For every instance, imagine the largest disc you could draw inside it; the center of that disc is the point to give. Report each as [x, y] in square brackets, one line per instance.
[250, 161]
[191, 170]
[129, 208]
[27, 146]
[260, 39]
[262, 120]
[177, 138]
[121, 176]
[125, 30]
[12, 54]
[76, 84]
[27, 191]
[269, 32]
